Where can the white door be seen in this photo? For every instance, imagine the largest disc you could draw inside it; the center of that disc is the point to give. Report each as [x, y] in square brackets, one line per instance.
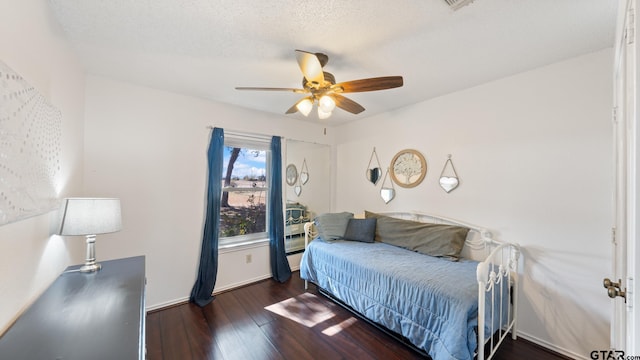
[625, 325]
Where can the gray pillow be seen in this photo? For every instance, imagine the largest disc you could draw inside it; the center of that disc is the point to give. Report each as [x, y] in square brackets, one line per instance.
[332, 226]
[445, 241]
[361, 230]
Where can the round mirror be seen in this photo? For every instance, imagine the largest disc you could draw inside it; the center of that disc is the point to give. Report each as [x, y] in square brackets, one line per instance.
[408, 168]
[291, 175]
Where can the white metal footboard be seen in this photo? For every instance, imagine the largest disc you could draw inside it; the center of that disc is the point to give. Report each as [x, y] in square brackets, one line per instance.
[498, 270]
[309, 233]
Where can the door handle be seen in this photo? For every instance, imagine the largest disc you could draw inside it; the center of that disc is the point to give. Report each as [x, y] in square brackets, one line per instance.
[614, 289]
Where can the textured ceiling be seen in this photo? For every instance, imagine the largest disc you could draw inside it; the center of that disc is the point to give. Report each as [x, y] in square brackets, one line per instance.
[205, 48]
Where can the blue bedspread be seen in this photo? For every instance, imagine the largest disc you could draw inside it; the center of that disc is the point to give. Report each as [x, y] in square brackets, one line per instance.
[431, 301]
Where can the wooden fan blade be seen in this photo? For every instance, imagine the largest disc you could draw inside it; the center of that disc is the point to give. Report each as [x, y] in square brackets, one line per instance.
[298, 91]
[347, 104]
[371, 84]
[310, 66]
[294, 108]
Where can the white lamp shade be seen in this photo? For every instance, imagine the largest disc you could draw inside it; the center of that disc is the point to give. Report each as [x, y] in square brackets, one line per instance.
[90, 216]
[304, 106]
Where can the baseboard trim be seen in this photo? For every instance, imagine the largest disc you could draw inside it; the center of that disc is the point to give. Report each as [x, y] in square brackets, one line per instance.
[216, 291]
[167, 304]
[549, 346]
[222, 289]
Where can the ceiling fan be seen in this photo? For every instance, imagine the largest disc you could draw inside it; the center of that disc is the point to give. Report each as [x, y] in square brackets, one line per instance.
[321, 88]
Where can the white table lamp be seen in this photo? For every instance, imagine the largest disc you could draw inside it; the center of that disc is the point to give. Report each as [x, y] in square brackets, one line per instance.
[89, 217]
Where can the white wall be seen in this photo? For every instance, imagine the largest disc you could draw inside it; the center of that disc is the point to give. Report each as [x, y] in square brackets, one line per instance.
[148, 147]
[534, 155]
[31, 43]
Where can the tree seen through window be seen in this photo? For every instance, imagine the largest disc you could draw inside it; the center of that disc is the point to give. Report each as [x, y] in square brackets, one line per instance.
[244, 196]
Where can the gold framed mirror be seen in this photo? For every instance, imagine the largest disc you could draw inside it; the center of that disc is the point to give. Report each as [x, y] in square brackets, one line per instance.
[408, 168]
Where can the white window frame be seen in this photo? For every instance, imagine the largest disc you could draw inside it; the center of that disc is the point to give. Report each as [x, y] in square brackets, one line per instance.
[254, 142]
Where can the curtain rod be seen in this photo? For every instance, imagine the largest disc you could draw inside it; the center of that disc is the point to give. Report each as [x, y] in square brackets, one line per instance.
[244, 134]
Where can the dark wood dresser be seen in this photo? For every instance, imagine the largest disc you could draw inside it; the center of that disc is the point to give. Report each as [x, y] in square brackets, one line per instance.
[98, 315]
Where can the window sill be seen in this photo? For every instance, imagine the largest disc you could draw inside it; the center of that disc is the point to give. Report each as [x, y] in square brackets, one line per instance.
[243, 245]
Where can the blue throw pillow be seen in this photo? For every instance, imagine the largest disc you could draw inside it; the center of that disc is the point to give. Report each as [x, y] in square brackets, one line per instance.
[361, 230]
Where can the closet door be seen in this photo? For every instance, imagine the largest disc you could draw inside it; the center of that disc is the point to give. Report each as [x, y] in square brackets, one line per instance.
[625, 322]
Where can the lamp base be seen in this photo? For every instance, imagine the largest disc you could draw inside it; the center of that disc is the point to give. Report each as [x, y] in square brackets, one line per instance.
[90, 268]
[90, 264]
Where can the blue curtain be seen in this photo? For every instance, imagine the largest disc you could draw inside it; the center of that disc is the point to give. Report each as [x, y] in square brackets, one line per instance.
[279, 264]
[201, 294]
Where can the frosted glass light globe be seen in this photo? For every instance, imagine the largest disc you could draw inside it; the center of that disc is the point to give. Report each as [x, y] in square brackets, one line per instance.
[327, 104]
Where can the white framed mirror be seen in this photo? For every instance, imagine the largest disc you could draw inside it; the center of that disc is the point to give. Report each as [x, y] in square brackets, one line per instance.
[310, 194]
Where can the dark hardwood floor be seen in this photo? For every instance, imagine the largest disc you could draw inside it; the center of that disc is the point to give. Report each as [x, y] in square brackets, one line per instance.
[268, 320]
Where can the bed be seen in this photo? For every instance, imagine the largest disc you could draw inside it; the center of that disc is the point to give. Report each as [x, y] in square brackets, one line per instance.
[434, 303]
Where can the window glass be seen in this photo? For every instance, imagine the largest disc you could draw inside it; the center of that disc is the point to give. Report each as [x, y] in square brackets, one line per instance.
[243, 213]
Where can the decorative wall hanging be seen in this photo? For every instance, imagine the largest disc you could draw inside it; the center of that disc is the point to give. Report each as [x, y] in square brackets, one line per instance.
[408, 168]
[30, 133]
[387, 193]
[291, 175]
[304, 172]
[450, 181]
[373, 174]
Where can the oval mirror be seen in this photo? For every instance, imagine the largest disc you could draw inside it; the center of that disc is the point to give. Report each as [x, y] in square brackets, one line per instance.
[291, 175]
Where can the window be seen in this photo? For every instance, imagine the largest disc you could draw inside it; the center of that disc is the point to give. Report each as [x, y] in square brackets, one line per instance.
[245, 184]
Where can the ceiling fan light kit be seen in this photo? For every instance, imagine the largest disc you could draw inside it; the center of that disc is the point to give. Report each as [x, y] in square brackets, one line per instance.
[322, 88]
[326, 103]
[305, 105]
[323, 114]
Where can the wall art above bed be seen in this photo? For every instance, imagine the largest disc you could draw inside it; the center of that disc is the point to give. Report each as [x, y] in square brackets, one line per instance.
[30, 133]
[408, 168]
[387, 193]
[449, 179]
[374, 171]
